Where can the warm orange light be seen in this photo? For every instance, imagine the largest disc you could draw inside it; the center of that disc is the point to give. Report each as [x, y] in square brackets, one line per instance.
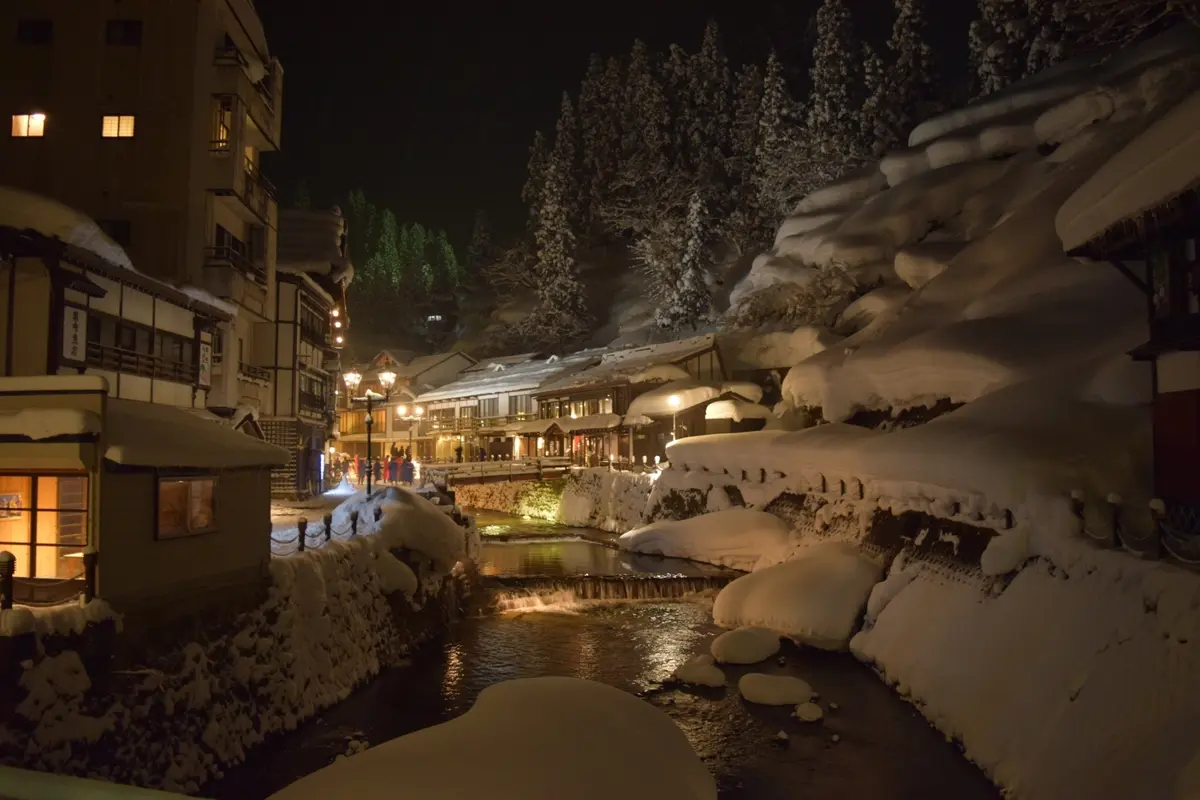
[337, 323]
[334, 313]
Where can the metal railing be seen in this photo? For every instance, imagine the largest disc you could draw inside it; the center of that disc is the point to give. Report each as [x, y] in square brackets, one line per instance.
[253, 373]
[312, 402]
[142, 364]
[311, 536]
[9, 582]
[226, 255]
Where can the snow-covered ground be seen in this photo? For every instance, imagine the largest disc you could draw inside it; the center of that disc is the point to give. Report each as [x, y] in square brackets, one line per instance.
[325, 627]
[617, 746]
[737, 537]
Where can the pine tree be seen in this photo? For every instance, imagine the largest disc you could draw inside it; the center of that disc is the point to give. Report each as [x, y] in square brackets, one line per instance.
[561, 313]
[879, 129]
[417, 272]
[535, 179]
[681, 105]
[1120, 22]
[782, 169]
[599, 134]
[913, 73]
[1048, 35]
[744, 219]
[361, 217]
[998, 46]
[480, 252]
[834, 129]
[687, 301]
[566, 147]
[709, 126]
[447, 265]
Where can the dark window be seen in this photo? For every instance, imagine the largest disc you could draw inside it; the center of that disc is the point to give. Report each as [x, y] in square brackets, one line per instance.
[123, 32]
[144, 345]
[119, 230]
[126, 336]
[35, 31]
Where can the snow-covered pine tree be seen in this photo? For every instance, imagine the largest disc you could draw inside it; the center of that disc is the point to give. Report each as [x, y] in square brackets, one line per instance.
[878, 111]
[561, 313]
[535, 177]
[709, 87]
[566, 145]
[1049, 39]
[744, 219]
[782, 171]
[645, 183]
[998, 45]
[687, 302]
[682, 105]
[480, 252]
[446, 262]
[1106, 22]
[836, 100]
[913, 72]
[599, 133]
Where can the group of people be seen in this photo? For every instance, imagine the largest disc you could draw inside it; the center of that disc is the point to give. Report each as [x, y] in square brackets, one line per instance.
[398, 467]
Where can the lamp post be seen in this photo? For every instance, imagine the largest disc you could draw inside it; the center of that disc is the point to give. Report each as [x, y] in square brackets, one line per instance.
[674, 402]
[415, 417]
[387, 379]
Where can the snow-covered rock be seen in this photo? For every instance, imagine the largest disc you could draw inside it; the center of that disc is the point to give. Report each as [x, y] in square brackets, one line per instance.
[773, 690]
[700, 670]
[815, 598]
[605, 757]
[809, 712]
[737, 537]
[745, 646]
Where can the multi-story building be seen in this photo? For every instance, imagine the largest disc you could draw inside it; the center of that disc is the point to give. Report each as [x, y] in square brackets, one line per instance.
[150, 117]
[401, 422]
[306, 339]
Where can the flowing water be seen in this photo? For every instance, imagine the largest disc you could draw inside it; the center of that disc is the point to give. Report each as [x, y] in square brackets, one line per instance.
[885, 750]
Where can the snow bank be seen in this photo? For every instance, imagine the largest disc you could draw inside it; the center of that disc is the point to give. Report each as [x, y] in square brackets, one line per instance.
[815, 598]
[536, 499]
[774, 690]
[783, 349]
[738, 537]
[736, 410]
[60, 620]
[745, 646]
[408, 521]
[1080, 679]
[608, 753]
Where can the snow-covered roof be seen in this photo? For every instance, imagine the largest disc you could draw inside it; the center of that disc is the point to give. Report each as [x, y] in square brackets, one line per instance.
[150, 435]
[657, 402]
[532, 427]
[502, 376]
[636, 364]
[21, 209]
[422, 364]
[736, 410]
[1158, 166]
[46, 423]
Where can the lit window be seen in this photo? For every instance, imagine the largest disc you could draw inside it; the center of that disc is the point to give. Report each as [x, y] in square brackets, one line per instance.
[434, 318]
[186, 507]
[117, 127]
[29, 125]
[43, 522]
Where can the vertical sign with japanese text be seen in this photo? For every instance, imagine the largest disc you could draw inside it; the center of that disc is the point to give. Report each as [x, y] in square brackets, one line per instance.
[205, 365]
[74, 346]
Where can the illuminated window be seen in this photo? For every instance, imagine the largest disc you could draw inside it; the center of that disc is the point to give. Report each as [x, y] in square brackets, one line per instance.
[117, 127]
[43, 522]
[186, 507]
[29, 125]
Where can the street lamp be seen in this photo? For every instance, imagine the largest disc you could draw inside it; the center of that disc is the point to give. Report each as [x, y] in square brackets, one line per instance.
[417, 413]
[674, 402]
[387, 379]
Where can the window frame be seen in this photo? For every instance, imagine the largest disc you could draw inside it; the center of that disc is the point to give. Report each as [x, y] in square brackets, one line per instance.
[119, 120]
[121, 32]
[34, 509]
[28, 118]
[174, 477]
[31, 25]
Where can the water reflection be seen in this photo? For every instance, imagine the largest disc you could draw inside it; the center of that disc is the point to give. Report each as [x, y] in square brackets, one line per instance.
[566, 556]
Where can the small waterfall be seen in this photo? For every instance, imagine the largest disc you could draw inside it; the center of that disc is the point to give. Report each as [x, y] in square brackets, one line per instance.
[531, 592]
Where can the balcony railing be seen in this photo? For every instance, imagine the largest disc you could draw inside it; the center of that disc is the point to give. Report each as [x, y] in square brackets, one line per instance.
[250, 372]
[232, 57]
[145, 365]
[313, 402]
[258, 193]
[224, 255]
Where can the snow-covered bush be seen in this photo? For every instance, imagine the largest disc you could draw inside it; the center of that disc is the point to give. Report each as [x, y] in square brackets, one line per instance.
[818, 302]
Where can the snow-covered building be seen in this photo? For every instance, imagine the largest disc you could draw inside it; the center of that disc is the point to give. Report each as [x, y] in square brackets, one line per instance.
[399, 423]
[182, 193]
[66, 308]
[590, 406]
[1141, 212]
[492, 403]
[306, 337]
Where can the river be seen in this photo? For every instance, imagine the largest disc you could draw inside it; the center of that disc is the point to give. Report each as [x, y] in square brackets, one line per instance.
[885, 749]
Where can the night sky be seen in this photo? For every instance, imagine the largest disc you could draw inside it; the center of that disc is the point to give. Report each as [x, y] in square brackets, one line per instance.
[429, 107]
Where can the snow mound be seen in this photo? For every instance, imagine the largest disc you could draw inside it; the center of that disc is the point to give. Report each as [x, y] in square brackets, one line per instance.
[605, 757]
[700, 671]
[815, 598]
[736, 410]
[395, 575]
[809, 712]
[745, 646]
[408, 521]
[21, 209]
[784, 349]
[869, 307]
[856, 186]
[689, 394]
[773, 690]
[739, 538]
[918, 264]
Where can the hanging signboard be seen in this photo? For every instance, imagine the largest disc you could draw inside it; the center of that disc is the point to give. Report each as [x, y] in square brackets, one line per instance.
[74, 346]
[205, 365]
